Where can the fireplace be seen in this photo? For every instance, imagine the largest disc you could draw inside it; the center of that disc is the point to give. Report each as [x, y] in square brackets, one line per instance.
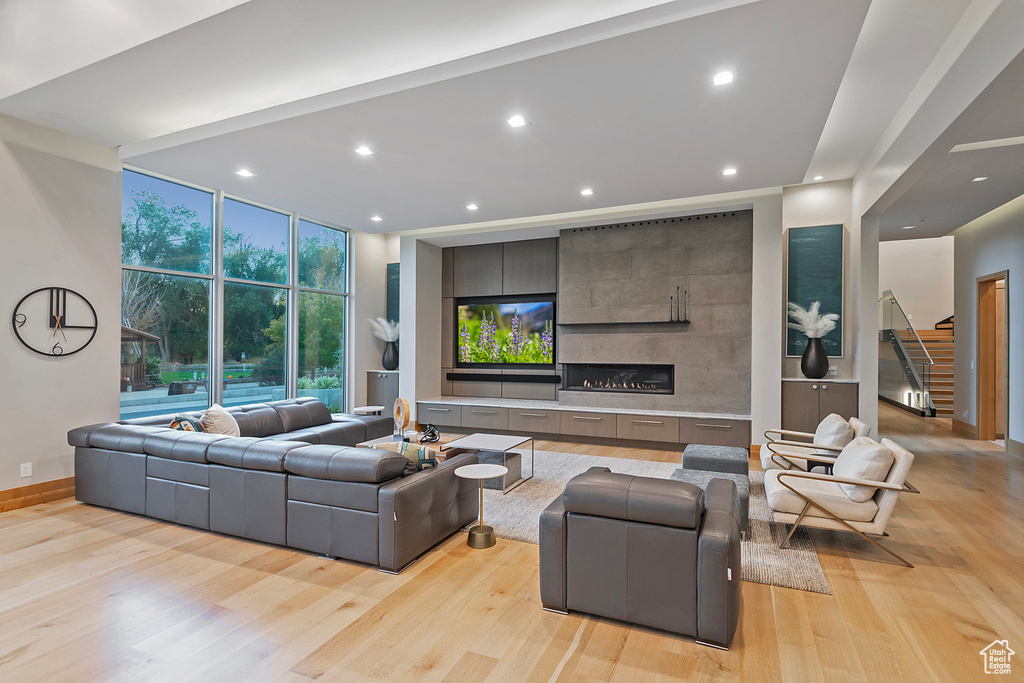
[619, 378]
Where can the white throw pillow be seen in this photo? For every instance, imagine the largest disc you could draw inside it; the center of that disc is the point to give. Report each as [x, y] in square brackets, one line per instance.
[833, 431]
[219, 421]
[863, 458]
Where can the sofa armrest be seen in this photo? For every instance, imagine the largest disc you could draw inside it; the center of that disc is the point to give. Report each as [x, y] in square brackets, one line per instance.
[79, 436]
[552, 556]
[718, 565]
[417, 512]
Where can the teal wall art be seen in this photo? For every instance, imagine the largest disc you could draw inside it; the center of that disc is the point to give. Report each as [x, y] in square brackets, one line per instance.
[816, 274]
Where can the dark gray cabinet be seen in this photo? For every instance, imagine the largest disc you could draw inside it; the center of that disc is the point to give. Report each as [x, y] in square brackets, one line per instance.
[477, 270]
[530, 267]
[805, 404]
[448, 271]
[382, 388]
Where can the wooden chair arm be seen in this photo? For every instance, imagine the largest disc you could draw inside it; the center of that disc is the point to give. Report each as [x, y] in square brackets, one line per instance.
[786, 432]
[801, 444]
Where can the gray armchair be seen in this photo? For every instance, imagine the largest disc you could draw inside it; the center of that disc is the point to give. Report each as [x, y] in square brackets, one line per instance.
[654, 552]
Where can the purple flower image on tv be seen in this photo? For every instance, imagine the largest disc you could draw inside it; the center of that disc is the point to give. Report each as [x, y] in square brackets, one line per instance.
[513, 333]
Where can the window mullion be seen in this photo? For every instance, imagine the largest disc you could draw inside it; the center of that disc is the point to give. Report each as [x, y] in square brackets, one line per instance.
[215, 385]
[292, 328]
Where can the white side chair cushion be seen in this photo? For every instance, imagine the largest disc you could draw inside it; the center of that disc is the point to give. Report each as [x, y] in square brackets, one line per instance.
[863, 458]
[219, 421]
[860, 427]
[828, 493]
[833, 431]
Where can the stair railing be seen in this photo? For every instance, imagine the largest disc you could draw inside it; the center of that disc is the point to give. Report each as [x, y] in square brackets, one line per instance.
[904, 364]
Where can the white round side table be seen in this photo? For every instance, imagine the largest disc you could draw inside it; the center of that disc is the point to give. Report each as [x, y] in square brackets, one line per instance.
[369, 410]
[481, 536]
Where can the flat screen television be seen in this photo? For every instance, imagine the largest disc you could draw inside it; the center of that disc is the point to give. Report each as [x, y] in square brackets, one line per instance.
[505, 332]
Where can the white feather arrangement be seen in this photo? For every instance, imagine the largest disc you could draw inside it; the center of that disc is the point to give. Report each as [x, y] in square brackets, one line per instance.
[810, 321]
[383, 329]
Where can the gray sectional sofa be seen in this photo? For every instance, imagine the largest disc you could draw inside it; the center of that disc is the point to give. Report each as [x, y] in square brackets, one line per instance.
[292, 478]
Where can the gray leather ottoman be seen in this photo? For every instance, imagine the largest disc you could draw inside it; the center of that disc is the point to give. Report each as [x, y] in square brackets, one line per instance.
[702, 479]
[717, 459]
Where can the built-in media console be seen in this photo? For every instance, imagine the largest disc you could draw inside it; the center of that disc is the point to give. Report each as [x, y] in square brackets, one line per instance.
[549, 419]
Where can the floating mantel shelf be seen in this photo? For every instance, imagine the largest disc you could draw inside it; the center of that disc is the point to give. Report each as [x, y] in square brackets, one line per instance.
[645, 323]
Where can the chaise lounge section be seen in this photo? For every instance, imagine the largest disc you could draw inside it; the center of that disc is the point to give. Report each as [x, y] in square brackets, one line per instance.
[292, 478]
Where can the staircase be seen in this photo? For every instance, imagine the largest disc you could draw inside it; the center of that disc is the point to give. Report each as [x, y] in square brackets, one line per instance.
[939, 343]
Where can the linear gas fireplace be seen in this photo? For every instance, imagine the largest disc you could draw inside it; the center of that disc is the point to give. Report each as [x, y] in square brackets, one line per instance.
[617, 377]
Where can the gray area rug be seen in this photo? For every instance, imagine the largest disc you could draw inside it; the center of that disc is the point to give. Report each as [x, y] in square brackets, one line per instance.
[516, 516]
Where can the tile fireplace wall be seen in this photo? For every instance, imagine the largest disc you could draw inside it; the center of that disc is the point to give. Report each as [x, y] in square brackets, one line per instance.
[614, 284]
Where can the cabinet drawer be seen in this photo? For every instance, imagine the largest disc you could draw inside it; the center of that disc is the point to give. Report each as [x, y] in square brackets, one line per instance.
[588, 424]
[714, 432]
[647, 428]
[440, 414]
[482, 417]
[534, 421]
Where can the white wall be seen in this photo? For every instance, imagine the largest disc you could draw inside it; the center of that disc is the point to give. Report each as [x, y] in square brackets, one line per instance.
[768, 309]
[368, 300]
[419, 362]
[920, 274]
[60, 207]
[987, 245]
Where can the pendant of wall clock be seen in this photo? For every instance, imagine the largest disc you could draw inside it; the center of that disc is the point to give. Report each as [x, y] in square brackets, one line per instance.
[54, 321]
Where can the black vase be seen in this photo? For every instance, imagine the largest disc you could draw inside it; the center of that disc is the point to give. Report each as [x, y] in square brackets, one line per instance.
[390, 358]
[814, 363]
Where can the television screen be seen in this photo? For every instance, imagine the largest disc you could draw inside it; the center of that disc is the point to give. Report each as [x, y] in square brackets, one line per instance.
[506, 333]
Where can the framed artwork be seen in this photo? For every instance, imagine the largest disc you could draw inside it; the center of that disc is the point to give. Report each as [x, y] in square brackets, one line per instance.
[815, 273]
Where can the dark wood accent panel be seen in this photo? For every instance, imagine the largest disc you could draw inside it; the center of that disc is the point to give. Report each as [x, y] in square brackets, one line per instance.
[714, 432]
[589, 424]
[477, 270]
[447, 333]
[33, 494]
[448, 271]
[647, 427]
[837, 398]
[800, 406]
[530, 267]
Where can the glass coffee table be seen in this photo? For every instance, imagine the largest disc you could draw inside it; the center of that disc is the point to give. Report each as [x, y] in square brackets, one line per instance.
[503, 443]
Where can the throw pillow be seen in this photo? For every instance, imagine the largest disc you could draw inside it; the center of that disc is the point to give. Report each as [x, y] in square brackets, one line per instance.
[833, 431]
[863, 458]
[187, 423]
[219, 421]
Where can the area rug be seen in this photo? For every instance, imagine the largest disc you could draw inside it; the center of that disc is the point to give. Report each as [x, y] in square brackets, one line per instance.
[516, 516]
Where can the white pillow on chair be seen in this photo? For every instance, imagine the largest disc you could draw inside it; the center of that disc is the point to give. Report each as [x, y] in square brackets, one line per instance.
[833, 431]
[863, 458]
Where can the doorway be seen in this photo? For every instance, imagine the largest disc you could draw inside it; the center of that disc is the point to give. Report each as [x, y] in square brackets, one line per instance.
[992, 360]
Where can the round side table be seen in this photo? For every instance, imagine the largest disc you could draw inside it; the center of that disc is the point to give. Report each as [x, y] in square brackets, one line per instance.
[369, 410]
[481, 536]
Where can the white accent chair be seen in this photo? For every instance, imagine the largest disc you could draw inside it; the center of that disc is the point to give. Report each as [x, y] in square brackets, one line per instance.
[867, 480]
[831, 436]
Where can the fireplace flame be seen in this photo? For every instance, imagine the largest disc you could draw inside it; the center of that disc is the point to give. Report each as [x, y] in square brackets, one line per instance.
[611, 384]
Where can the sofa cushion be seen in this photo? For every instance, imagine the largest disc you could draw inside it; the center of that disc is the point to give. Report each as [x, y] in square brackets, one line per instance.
[126, 438]
[257, 419]
[832, 431]
[340, 494]
[376, 426]
[828, 493]
[176, 445]
[637, 499]
[334, 434]
[217, 420]
[301, 413]
[341, 463]
[251, 453]
[863, 458]
[79, 436]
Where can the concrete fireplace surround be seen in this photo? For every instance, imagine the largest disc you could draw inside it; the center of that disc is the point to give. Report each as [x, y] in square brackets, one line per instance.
[613, 285]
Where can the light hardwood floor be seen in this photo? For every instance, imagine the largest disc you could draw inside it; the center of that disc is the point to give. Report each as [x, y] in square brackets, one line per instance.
[90, 594]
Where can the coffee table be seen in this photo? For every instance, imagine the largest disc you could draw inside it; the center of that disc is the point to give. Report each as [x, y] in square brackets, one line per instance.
[481, 536]
[493, 442]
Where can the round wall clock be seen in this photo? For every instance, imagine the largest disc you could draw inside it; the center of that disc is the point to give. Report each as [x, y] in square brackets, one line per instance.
[54, 321]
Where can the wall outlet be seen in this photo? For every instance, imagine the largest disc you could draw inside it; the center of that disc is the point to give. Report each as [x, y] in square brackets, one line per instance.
[972, 365]
[965, 414]
[833, 370]
[26, 469]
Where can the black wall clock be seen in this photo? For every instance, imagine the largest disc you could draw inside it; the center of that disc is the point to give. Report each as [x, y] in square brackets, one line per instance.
[54, 321]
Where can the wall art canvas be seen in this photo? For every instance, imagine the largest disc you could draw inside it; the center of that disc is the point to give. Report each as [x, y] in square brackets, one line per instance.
[816, 274]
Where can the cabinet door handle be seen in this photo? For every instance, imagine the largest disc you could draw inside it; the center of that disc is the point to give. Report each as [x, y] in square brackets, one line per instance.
[824, 386]
[440, 410]
[484, 412]
[647, 422]
[710, 426]
[589, 419]
[814, 386]
[532, 415]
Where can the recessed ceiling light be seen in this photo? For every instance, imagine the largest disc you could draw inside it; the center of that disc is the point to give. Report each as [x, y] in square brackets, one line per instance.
[723, 78]
[908, 227]
[980, 178]
[376, 219]
[245, 173]
[517, 121]
[364, 150]
[586, 192]
[729, 171]
[819, 177]
[472, 207]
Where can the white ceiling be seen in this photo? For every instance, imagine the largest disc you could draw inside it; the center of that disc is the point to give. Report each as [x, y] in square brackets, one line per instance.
[617, 93]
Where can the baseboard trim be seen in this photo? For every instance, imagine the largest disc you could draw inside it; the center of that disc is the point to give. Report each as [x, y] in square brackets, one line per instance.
[964, 429]
[1015, 448]
[755, 451]
[34, 494]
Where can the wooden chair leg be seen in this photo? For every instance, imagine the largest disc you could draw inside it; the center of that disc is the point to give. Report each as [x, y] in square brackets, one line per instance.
[795, 525]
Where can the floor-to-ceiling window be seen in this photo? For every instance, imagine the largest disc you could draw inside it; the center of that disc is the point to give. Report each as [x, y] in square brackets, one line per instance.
[250, 295]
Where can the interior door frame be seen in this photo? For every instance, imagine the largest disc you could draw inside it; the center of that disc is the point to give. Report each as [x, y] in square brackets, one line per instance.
[985, 362]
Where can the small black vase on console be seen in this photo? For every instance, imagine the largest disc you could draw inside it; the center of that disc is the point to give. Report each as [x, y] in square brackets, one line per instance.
[814, 363]
[390, 358]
